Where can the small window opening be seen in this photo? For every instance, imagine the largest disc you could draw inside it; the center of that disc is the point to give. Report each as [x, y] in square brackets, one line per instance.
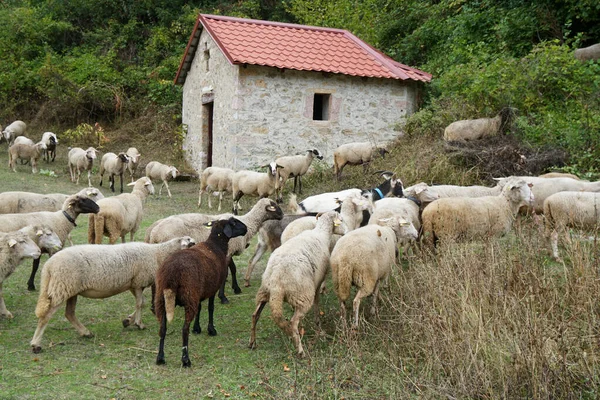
[206, 56]
[321, 107]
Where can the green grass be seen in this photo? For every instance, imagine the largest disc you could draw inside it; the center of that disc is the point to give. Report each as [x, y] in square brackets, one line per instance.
[488, 320]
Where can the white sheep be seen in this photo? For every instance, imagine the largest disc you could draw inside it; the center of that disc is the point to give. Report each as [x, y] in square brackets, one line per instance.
[422, 193]
[215, 179]
[14, 129]
[98, 272]
[295, 167]
[25, 152]
[26, 202]
[579, 210]
[134, 160]
[23, 140]
[407, 209]
[588, 53]
[14, 247]
[442, 191]
[114, 165]
[475, 218]
[559, 175]
[80, 159]
[294, 274]
[359, 153]
[157, 171]
[192, 225]
[254, 183]
[545, 187]
[51, 141]
[473, 129]
[120, 214]
[364, 257]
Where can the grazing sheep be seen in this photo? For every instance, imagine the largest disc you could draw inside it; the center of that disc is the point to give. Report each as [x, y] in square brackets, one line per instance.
[26, 202]
[579, 210]
[254, 183]
[364, 258]
[113, 164]
[559, 175]
[473, 129]
[25, 152]
[80, 159]
[191, 225]
[23, 140]
[406, 208]
[475, 218]
[329, 201]
[360, 153]
[216, 179]
[443, 191]
[588, 53]
[120, 214]
[421, 194]
[269, 238]
[134, 160]
[98, 272]
[51, 141]
[14, 247]
[295, 167]
[188, 277]
[294, 274]
[158, 171]
[544, 187]
[61, 222]
[16, 128]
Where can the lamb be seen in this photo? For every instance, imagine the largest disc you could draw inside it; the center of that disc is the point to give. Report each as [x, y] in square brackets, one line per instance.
[120, 214]
[158, 171]
[580, 210]
[98, 272]
[61, 222]
[51, 141]
[269, 238]
[187, 277]
[354, 154]
[329, 201]
[79, 160]
[217, 179]
[113, 164]
[588, 53]
[294, 273]
[191, 225]
[25, 152]
[26, 202]
[559, 175]
[469, 218]
[544, 187]
[16, 128]
[364, 258]
[295, 166]
[254, 183]
[474, 129]
[134, 160]
[14, 247]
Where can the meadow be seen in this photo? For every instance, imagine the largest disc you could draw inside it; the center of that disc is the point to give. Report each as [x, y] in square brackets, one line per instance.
[492, 319]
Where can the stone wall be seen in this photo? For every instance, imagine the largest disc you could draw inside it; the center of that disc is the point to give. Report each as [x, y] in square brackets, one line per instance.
[261, 113]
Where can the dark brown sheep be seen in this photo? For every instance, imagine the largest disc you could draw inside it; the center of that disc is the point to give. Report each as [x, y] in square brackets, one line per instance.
[188, 277]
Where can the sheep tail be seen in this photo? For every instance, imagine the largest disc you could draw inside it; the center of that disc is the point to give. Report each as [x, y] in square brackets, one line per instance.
[169, 296]
[336, 168]
[293, 206]
[276, 302]
[44, 300]
[98, 228]
[342, 282]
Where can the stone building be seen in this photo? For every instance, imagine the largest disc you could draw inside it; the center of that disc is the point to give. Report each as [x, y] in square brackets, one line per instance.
[255, 90]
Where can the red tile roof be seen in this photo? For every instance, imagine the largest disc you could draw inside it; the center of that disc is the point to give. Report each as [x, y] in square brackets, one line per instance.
[291, 46]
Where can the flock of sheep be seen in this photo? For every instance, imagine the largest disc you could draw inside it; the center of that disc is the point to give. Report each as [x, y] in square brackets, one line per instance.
[355, 233]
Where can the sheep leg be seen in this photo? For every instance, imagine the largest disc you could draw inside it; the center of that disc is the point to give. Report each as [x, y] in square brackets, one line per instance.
[200, 198]
[222, 297]
[167, 186]
[316, 308]
[375, 296]
[70, 314]
[261, 248]
[196, 328]
[162, 332]
[236, 201]
[234, 282]
[34, 268]
[190, 312]
[260, 306]
[136, 316]
[294, 323]
[220, 200]
[211, 309]
[121, 179]
[111, 183]
[360, 294]
[36, 341]
[3, 310]
[89, 179]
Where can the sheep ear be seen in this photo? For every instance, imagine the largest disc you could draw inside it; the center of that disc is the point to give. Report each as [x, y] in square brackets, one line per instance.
[271, 208]
[403, 222]
[318, 215]
[39, 232]
[279, 166]
[228, 231]
[208, 225]
[337, 200]
[12, 243]
[131, 184]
